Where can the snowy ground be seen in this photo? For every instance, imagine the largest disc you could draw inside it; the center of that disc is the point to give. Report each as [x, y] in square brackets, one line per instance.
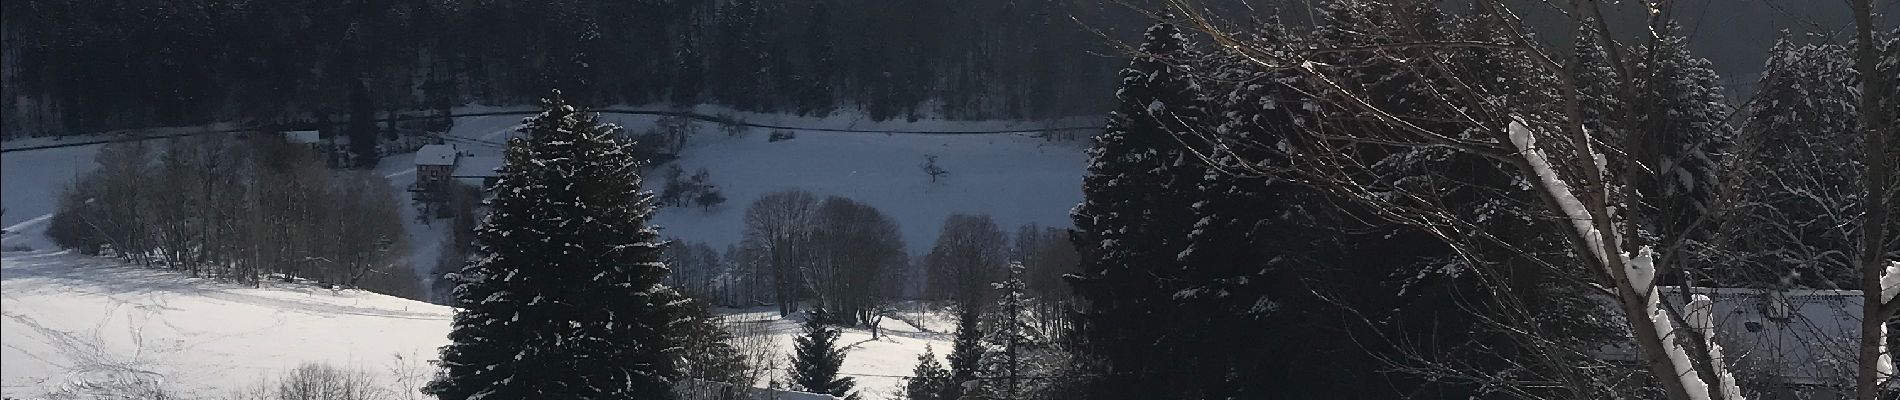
[75, 324]
[876, 364]
[1016, 178]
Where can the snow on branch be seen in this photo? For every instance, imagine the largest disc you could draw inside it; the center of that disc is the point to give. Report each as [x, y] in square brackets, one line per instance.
[1639, 269]
[1558, 190]
[1890, 283]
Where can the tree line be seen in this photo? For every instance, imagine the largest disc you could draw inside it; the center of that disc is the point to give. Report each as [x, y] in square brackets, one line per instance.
[85, 66]
[848, 258]
[243, 209]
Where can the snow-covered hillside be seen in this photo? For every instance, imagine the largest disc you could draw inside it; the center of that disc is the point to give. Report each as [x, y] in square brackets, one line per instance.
[75, 324]
[1017, 178]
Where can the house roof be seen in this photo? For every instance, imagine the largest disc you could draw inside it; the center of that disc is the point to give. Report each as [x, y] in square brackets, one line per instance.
[477, 167]
[1805, 337]
[436, 154]
[302, 137]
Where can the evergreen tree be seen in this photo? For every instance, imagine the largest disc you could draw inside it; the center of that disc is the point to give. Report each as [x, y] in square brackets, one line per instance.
[1679, 129]
[928, 381]
[707, 346]
[1013, 344]
[816, 357]
[565, 300]
[966, 352]
[1135, 213]
[362, 127]
[1230, 269]
[1597, 81]
[1798, 178]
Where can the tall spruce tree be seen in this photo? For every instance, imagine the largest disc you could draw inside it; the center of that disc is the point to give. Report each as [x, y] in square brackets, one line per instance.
[1679, 128]
[928, 380]
[816, 358]
[1013, 344]
[966, 352]
[1233, 262]
[565, 300]
[1135, 215]
[1796, 184]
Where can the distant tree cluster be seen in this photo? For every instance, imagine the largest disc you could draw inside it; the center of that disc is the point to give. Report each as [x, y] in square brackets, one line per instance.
[79, 66]
[679, 190]
[244, 210]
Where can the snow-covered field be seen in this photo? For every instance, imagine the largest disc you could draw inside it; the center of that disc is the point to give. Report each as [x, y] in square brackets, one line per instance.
[1016, 178]
[74, 323]
[77, 323]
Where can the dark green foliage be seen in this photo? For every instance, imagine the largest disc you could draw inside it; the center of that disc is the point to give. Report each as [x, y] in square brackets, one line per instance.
[1797, 195]
[816, 357]
[565, 300]
[928, 381]
[91, 65]
[1135, 216]
[966, 352]
[707, 347]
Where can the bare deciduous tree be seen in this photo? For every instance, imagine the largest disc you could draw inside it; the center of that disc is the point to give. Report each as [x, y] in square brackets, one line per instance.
[779, 226]
[857, 251]
[970, 254]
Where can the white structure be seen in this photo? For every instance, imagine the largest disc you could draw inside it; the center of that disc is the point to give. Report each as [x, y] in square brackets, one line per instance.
[1792, 344]
[477, 170]
[310, 138]
[435, 163]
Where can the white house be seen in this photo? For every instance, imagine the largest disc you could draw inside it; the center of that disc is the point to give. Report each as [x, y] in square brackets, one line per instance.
[309, 138]
[435, 163]
[476, 170]
[1792, 344]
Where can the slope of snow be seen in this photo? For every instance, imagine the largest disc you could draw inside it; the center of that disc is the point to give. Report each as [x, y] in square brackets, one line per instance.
[73, 321]
[33, 180]
[1016, 178]
[878, 365]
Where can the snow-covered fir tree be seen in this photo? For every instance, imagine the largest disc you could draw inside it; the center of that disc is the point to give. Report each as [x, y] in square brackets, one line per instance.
[706, 348]
[1597, 81]
[1797, 180]
[816, 358]
[1233, 258]
[928, 380]
[564, 300]
[1679, 128]
[966, 352]
[1135, 212]
[1014, 347]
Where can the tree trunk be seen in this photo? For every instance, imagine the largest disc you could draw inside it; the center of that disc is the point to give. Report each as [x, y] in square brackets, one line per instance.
[1873, 199]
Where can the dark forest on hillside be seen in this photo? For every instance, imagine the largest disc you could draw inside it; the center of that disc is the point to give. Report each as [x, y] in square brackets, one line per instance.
[90, 65]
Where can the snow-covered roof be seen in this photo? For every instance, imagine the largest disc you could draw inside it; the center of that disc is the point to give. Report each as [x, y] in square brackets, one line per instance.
[477, 167]
[436, 154]
[302, 137]
[1799, 336]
